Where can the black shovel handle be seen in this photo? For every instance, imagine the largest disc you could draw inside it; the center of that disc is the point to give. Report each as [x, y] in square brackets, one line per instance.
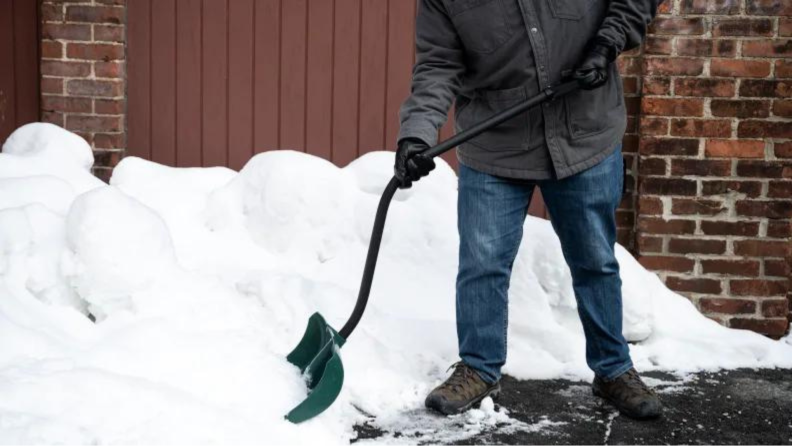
[439, 149]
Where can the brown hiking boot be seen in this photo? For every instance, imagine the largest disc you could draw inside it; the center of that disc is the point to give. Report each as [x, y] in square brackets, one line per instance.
[463, 389]
[630, 395]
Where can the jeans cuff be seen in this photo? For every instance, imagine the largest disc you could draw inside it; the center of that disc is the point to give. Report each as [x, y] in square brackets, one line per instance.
[621, 370]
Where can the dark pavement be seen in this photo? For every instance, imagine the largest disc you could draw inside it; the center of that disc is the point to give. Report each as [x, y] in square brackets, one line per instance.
[730, 407]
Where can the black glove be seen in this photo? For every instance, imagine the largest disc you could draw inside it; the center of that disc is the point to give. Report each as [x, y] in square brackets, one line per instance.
[411, 162]
[593, 70]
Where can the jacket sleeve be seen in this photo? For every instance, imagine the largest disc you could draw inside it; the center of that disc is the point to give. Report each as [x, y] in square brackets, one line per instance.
[625, 24]
[436, 75]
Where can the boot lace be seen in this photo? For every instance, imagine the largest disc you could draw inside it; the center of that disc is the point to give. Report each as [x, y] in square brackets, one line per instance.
[462, 379]
[634, 385]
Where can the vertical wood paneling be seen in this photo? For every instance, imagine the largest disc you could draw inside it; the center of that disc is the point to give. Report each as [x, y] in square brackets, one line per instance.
[319, 112]
[267, 75]
[163, 88]
[373, 58]
[7, 75]
[214, 63]
[346, 72]
[139, 79]
[292, 88]
[188, 83]
[401, 38]
[240, 82]
[26, 60]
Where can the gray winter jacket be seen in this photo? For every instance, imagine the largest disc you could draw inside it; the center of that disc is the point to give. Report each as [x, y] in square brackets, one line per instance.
[490, 54]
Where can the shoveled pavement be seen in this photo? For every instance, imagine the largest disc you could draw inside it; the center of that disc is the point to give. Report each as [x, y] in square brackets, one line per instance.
[731, 407]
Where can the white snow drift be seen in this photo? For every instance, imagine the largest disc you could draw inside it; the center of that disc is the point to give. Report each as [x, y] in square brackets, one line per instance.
[201, 280]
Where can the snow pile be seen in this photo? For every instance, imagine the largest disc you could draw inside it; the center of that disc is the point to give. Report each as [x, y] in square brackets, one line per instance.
[201, 280]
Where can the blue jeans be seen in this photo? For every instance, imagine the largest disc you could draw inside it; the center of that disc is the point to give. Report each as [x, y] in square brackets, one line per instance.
[582, 209]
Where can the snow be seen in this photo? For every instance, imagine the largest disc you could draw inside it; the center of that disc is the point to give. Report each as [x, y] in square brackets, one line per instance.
[201, 281]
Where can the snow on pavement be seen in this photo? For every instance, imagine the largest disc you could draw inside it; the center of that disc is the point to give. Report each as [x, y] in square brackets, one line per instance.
[200, 281]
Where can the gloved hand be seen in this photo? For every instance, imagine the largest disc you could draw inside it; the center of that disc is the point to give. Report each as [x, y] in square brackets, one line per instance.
[593, 70]
[411, 163]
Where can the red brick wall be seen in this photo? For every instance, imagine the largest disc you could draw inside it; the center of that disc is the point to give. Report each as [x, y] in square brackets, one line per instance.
[715, 157]
[708, 143]
[82, 68]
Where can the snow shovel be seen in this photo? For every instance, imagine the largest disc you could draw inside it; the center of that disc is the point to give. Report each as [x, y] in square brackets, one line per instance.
[317, 354]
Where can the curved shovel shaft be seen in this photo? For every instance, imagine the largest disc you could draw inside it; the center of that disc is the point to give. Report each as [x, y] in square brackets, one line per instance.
[317, 353]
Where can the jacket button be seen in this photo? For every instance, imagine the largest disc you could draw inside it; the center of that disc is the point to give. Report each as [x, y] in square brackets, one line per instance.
[534, 30]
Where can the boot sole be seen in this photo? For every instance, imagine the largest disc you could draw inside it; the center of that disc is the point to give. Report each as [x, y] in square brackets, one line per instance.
[625, 412]
[493, 393]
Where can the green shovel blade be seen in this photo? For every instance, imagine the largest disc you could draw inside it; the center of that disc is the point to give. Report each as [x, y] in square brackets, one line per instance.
[317, 358]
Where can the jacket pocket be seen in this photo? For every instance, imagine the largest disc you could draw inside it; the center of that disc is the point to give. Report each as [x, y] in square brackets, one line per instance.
[510, 135]
[569, 9]
[481, 24]
[588, 111]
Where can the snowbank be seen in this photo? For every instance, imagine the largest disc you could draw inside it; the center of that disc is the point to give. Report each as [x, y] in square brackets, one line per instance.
[201, 280]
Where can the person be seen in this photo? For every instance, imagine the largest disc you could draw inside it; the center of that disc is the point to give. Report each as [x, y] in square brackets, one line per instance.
[487, 55]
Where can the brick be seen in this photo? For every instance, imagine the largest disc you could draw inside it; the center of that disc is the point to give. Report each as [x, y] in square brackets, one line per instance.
[742, 108]
[778, 209]
[95, 14]
[677, 26]
[66, 104]
[783, 69]
[734, 148]
[779, 229]
[777, 268]
[665, 7]
[738, 228]
[727, 306]
[654, 225]
[782, 149]
[629, 66]
[658, 45]
[702, 286]
[633, 105]
[94, 88]
[703, 168]
[766, 88]
[782, 108]
[50, 85]
[51, 13]
[107, 158]
[768, 7]
[111, 2]
[668, 263]
[785, 26]
[718, 128]
[650, 206]
[730, 267]
[706, 47]
[624, 237]
[625, 219]
[647, 244]
[630, 144]
[103, 174]
[673, 66]
[630, 86]
[758, 287]
[51, 50]
[767, 48]
[761, 169]
[764, 129]
[673, 107]
[761, 248]
[91, 123]
[660, 86]
[109, 106]
[696, 246]
[56, 118]
[652, 166]
[668, 186]
[109, 141]
[698, 206]
[113, 70]
[780, 189]
[106, 33]
[774, 328]
[742, 27]
[709, 7]
[95, 51]
[722, 187]
[704, 87]
[63, 31]
[65, 68]
[654, 126]
[739, 68]
[775, 308]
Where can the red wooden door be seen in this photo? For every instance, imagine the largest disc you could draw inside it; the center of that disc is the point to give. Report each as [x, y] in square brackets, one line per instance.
[19, 73]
